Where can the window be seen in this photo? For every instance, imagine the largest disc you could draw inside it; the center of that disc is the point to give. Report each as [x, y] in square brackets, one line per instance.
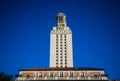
[65, 50]
[61, 35]
[56, 36]
[82, 74]
[65, 65]
[27, 76]
[65, 35]
[51, 74]
[65, 56]
[61, 74]
[95, 75]
[60, 19]
[65, 60]
[71, 74]
[40, 75]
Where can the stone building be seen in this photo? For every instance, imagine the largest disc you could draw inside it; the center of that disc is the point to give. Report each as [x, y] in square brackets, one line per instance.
[61, 59]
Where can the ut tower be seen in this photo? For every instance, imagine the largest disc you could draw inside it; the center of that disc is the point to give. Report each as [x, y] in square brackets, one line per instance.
[61, 44]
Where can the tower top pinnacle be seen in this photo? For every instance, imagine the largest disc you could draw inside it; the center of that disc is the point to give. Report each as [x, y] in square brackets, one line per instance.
[61, 21]
[60, 14]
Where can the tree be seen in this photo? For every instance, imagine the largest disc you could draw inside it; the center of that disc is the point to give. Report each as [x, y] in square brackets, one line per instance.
[5, 77]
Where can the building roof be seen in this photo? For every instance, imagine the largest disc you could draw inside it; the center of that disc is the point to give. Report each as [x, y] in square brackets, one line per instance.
[57, 69]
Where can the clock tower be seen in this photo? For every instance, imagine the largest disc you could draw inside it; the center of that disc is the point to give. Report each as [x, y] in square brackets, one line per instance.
[61, 43]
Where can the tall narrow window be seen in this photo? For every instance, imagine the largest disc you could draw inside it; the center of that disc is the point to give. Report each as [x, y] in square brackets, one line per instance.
[40, 75]
[61, 74]
[65, 35]
[96, 77]
[61, 35]
[51, 74]
[56, 35]
[71, 74]
[82, 74]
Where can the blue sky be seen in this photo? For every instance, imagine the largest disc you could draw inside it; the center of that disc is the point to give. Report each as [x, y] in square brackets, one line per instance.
[25, 33]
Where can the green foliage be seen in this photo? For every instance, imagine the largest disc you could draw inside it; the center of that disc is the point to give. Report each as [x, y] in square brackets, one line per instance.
[5, 77]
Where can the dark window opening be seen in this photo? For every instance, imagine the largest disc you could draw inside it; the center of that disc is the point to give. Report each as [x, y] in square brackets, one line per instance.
[61, 74]
[71, 74]
[51, 74]
[27, 76]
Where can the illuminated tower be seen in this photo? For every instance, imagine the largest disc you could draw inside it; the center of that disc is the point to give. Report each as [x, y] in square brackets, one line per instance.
[61, 44]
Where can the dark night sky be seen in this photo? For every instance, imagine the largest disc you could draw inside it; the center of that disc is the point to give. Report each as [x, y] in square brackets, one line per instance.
[25, 33]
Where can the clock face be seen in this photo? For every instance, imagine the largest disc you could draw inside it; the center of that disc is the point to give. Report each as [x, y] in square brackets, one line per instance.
[61, 27]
